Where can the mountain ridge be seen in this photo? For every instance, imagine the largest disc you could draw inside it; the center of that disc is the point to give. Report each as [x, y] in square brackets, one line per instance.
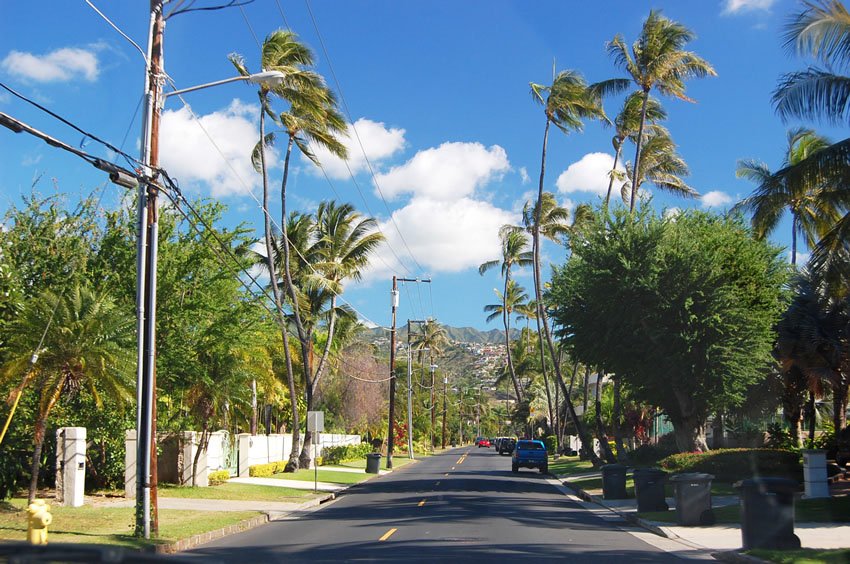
[455, 334]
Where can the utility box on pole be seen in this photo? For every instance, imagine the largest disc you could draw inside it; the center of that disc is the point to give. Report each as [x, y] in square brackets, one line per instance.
[316, 421]
[70, 465]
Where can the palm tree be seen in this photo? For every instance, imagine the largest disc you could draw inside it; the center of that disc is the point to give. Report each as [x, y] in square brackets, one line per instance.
[84, 347]
[626, 126]
[660, 165]
[657, 61]
[812, 214]
[514, 253]
[312, 117]
[345, 242]
[434, 338]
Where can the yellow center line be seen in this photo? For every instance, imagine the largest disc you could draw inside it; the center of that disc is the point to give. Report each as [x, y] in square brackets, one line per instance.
[421, 503]
[453, 467]
[387, 535]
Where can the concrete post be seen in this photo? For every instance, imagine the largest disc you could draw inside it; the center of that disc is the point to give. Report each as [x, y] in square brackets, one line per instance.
[245, 442]
[189, 445]
[71, 465]
[814, 473]
[130, 464]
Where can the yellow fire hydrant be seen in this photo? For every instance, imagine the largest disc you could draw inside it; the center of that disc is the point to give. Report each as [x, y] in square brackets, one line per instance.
[37, 521]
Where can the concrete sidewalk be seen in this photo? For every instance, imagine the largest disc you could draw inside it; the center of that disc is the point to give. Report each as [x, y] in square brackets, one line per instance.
[721, 537]
[294, 484]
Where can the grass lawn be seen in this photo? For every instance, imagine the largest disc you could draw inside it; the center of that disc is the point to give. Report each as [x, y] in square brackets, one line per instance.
[567, 465]
[325, 475]
[230, 492]
[831, 510]
[113, 525]
[803, 556]
[398, 461]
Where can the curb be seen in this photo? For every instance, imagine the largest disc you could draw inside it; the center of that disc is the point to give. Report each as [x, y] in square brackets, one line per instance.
[737, 557]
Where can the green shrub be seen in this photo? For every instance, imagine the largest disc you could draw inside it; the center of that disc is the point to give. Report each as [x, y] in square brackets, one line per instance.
[650, 455]
[779, 437]
[551, 443]
[733, 464]
[218, 477]
[262, 470]
[345, 453]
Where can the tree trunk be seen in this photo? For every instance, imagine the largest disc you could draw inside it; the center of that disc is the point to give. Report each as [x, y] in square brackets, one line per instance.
[506, 321]
[600, 427]
[202, 446]
[40, 430]
[839, 405]
[690, 435]
[638, 143]
[282, 322]
[613, 169]
[293, 463]
[811, 408]
[622, 453]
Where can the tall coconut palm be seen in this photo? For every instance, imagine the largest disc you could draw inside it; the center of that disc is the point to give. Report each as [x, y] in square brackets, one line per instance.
[626, 126]
[515, 253]
[812, 214]
[660, 165]
[312, 117]
[434, 338]
[657, 60]
[85, 347]
[345, 242]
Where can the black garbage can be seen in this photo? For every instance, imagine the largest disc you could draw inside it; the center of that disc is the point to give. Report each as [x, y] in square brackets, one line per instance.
[693, 499]
[649, 489]
[767, 513]
[373, 462]
[614, 481]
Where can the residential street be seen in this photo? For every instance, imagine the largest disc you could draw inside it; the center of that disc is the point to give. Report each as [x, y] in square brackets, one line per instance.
[462, 505]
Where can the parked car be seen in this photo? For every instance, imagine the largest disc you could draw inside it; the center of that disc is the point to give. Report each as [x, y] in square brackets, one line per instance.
[530, 454]
[484, 443]
[478, 440]
[506, 445]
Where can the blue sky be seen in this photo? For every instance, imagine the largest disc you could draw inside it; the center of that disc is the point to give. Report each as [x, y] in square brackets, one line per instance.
[438, 93]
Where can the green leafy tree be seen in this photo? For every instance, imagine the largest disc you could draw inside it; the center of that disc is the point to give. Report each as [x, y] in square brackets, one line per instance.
[657, 61]
[682, 309]
[84, 347]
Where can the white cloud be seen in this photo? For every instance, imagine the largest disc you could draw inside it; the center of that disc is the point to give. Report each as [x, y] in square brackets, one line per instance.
[716, 199]
[737, 6]
[802, 257]
[61, 65]
[589, 174]
[378, 141]
[189, 156]
[672, 212]
[447, 172]
[444, 236]
[523, 175]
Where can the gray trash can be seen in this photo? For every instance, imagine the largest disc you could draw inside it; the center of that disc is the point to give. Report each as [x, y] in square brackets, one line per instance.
[373, 462]
[693, 499]
[767, 513]
[649, 489]
[614, 481]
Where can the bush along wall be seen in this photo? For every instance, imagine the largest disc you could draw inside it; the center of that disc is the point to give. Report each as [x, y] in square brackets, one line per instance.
[733, 464]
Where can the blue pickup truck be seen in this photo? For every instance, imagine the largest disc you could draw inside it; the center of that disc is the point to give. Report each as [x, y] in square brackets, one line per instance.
[530, 454]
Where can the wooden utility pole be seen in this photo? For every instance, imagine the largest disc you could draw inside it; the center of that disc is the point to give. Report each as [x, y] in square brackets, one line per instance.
[445, 406]
[147, 521]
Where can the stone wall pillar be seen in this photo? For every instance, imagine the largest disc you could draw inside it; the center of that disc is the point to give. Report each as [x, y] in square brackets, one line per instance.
[814, 473]
[189, 445]
[70, 466]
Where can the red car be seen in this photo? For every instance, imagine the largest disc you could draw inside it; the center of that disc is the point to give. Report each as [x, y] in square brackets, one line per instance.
[484, 443]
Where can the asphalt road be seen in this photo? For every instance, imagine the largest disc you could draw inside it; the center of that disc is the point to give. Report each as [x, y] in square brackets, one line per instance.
[464, 505]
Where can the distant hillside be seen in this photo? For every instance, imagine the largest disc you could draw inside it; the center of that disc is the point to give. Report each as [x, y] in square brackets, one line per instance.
[456, 334]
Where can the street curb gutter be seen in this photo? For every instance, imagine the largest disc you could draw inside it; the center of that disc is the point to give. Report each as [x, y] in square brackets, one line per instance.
[242, 526]
[724, 555]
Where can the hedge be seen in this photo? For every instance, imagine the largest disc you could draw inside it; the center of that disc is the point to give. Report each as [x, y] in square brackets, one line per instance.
[733, 464]
[345, 453]
[266, 470]
[218, 477]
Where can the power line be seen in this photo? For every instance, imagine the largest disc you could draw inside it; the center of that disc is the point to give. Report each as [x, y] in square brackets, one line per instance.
[116, 28]
[264, 210]
[357, 136]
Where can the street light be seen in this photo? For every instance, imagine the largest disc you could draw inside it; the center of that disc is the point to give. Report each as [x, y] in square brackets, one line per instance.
[267, 78]
[148, 217]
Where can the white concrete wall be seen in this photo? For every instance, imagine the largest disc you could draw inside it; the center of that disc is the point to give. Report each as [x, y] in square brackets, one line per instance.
[216, 450]
[262, 449]
[189, 444]
[70, 465]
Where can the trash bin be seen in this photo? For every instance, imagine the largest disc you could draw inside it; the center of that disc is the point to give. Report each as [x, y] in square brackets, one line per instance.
[614, 481]
[767, 513]
[373, 462]
[649, 489]
[693, 499]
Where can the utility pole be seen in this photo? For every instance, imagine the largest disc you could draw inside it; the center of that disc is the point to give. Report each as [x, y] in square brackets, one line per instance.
[445, 408]
[410, 390]
[394, 294]
[146, 475]
[433, 407]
